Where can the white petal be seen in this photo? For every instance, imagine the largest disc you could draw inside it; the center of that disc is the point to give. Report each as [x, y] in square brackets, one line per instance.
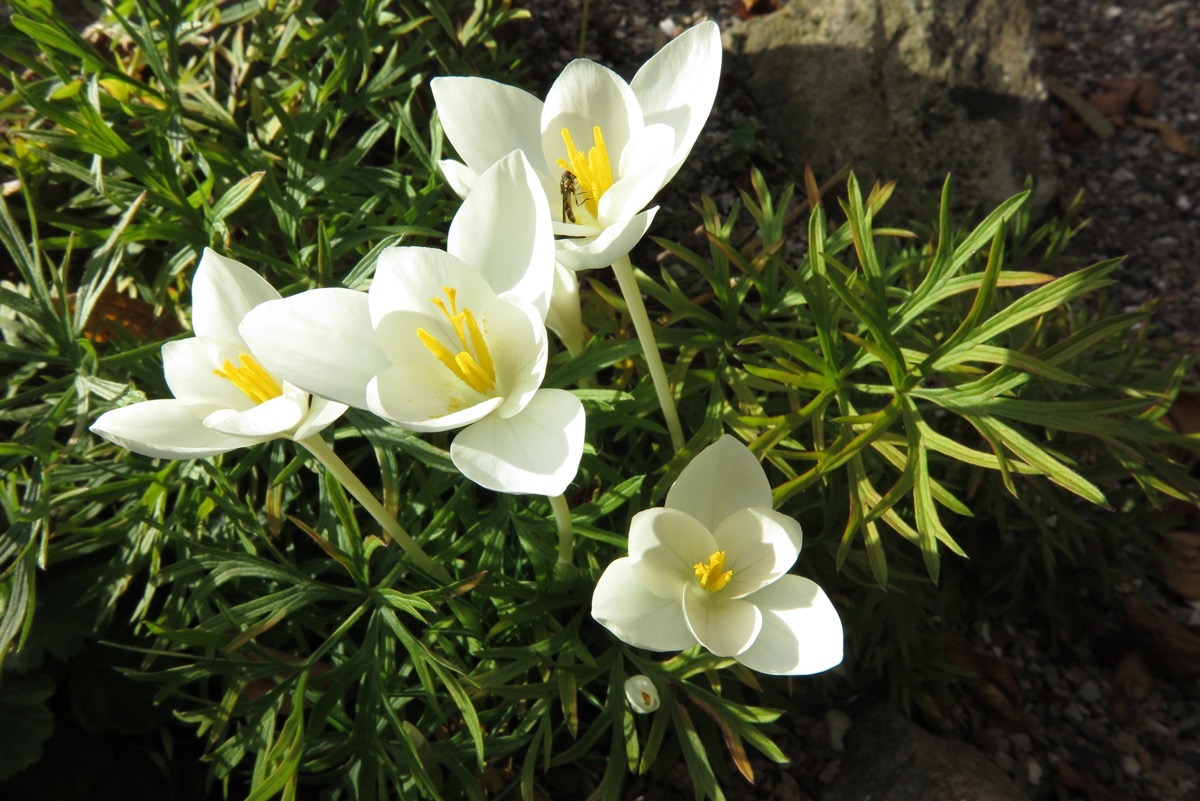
[273, 418]
[459, 176]
[486, 120]
[536, 452]
[644, 166]
[801, 632]
[223, 292]
[723, 625]
[320, 340]
[723, 478]
[574, 229]
[503, 230]
[634, 615]
[613, 242]
[190, 367]
[520, 352]
[321, 413]
[677, 86]
[164, 429]
[422, 395]
[411, 278]
[760, 546]
[585, 95]
[665, 545]
[565, 317]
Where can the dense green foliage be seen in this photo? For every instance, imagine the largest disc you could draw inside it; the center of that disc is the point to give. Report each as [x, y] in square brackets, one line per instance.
[914, 394]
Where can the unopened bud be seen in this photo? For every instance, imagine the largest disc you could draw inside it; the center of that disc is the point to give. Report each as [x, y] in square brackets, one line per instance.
[641, 694]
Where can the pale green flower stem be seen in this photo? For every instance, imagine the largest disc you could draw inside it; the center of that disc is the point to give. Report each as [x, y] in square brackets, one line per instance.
[566, 537]
[345, 476]
[641, 323]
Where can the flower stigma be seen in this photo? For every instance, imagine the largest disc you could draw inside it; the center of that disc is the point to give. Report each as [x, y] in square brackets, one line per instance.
[713, 575]
[251, 378]
[592, 171]
[473, 363]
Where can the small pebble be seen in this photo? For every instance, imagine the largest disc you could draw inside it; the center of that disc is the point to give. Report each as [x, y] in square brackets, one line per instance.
[1033, 771]
[1090, 691]
[1130, 765]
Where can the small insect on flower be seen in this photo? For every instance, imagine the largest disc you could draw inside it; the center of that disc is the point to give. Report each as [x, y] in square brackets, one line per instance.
[568, 185]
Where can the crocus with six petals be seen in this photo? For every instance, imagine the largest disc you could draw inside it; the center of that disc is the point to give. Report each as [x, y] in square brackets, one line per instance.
[712, 568]
[224, 398]
[602, 148]
[444, 340]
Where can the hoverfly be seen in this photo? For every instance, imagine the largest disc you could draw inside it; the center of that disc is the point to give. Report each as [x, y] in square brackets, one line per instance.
[568, 185]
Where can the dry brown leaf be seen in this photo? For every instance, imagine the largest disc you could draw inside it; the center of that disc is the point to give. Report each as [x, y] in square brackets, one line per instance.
[1112, 104]
[115, 315]
[1076, 779]
[1071, 126]
[1184, 415]
[1146, 97]
[1174, 141]
[1053, 40]
[1181, 568]
[1076, 102]
[1131, 683]
[745, 9]
[997, 689]
[1169, 646]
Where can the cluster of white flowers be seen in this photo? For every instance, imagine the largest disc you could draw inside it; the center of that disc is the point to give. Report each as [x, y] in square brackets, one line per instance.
[457, 339]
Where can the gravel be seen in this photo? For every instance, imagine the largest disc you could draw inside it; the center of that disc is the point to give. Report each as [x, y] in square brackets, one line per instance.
[1102, 719]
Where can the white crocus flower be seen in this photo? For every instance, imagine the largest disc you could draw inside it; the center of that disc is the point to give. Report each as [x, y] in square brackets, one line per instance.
[602, 148]
[224, 398]
[712, 568]
[449, 339]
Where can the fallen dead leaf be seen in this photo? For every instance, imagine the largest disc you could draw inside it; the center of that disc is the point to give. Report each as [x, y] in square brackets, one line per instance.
[996, 689]
[1076, 779]
[1082, 108]
[1169, 646]
[1181, 568]
[1053, 40]
[118, 316]
[745, 9]
[1184, 415]
[1174, 141]
[1131, 683]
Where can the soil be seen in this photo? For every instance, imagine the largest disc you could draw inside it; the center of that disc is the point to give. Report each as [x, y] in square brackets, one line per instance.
[1115, 715]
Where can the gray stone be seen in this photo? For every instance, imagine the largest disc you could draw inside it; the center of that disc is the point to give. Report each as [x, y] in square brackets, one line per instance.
[906, 90]
[889, 758]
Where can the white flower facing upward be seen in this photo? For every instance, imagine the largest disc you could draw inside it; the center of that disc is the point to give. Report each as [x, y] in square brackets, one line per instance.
[712, 568]
[444, 340]
[224, 398]
[602, 148]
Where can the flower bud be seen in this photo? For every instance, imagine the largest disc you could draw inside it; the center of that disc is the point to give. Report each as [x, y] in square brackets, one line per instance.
[641, 694]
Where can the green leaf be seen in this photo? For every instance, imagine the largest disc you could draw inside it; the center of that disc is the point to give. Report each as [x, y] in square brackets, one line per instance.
[236, 196]
[25, 722]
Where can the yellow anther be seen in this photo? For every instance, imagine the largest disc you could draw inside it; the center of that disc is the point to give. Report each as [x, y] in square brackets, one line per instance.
[713, 575]
[592, 171]
[469, 358]
[255, 382]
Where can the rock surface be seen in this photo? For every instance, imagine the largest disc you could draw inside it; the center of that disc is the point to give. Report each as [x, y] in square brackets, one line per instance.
[889, 758]
[906, 90]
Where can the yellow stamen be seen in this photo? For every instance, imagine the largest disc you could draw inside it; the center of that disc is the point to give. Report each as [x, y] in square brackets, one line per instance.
[592, 170]
[713, 576]
[472, 364]
[255, 382]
